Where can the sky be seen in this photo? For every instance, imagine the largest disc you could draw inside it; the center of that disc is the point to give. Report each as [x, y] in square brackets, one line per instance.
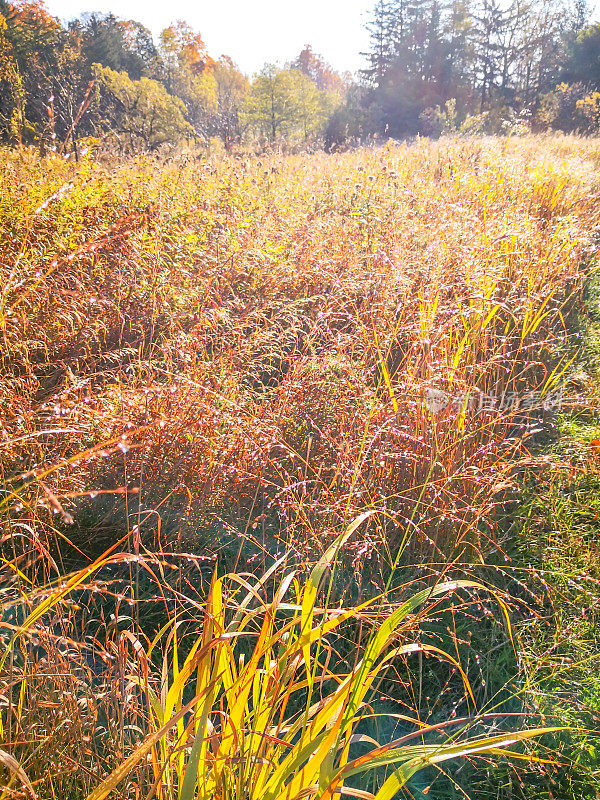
[252, 32]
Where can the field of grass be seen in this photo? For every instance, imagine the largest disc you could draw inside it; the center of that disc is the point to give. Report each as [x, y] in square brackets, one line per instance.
[221, 376]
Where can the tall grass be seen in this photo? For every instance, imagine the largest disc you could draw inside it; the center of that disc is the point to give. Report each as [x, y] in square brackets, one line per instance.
[235, 358]
[251, 697]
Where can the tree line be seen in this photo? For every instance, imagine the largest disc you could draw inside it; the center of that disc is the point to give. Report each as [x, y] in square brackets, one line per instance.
[104, 77]
[433, 67]
[481, 65]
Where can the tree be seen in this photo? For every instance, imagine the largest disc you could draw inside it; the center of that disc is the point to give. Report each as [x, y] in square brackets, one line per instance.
[189, 73]
[349, 123]
[310, 105]
[232, 88]
[489, 19]
[458, 34]
[386, 18]
[588, 109]
[183, 50]
[546, 41]
[492, 59]
[11, 87]
[140, 56]
[583, 59]
[287, 103]
[122, 45]
[497, 56]
[140, 112]
[559, 109]
[410, 65]
[269, 107]
[33, 38]
[318, 70]
[580, 15]
[70, 83]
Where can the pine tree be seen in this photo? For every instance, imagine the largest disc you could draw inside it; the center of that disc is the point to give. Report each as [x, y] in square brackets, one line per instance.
[382, 35]
[460, 47]
[489, 18]
[580, 15]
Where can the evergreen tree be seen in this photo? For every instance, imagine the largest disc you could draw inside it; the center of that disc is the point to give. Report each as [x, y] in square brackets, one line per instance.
[382, 32]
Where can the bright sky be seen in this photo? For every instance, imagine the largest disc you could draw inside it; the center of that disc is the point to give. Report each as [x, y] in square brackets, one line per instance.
[252, 32]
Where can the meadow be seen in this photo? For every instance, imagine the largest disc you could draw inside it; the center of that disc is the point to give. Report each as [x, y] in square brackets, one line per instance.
[297, 475]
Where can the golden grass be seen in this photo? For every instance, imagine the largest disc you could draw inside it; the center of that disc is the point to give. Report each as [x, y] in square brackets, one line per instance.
[261, 332]
[242, 350]
[275, 710]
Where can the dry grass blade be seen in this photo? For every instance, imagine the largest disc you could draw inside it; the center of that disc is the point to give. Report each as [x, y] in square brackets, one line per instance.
[13, 766]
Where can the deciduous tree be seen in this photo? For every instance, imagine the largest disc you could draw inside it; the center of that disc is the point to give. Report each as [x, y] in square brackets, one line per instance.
[140, 112]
